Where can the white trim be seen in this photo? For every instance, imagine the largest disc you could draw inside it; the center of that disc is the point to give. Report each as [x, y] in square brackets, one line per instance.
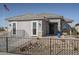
[32, 28]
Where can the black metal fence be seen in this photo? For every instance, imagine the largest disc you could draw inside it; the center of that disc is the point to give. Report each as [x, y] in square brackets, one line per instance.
[39, 46]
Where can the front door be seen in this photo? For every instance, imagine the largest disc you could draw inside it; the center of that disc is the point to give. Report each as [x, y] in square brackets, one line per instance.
[53, 28]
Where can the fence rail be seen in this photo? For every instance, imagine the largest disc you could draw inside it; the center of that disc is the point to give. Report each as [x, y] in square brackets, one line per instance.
[39, 46]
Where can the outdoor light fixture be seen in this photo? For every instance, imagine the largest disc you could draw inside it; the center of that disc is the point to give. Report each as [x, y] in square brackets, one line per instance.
[39, 24]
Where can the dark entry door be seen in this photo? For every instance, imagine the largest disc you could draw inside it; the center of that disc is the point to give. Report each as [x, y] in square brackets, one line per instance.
[53, 28]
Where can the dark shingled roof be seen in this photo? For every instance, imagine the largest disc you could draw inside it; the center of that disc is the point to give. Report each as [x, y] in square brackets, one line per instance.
[34, 16]
[37, 17]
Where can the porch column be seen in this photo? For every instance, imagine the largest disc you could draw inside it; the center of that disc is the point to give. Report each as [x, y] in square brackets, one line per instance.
[59, 26]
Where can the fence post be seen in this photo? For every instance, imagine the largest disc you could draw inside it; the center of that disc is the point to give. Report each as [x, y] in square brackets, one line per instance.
[50, 46]
[6, 44]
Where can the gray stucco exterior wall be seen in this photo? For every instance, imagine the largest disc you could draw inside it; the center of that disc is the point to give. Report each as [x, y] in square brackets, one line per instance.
[25, 27]
[45, 27]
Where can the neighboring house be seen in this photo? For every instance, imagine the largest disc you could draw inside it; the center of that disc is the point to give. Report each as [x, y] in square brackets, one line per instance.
[77, 27]
[37, 24]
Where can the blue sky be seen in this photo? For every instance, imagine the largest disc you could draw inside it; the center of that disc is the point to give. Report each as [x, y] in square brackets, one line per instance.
[70, 11]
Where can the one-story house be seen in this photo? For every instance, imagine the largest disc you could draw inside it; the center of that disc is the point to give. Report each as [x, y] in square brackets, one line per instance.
[42, 24]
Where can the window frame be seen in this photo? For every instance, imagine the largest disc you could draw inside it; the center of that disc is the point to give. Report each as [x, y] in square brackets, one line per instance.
[32, 28]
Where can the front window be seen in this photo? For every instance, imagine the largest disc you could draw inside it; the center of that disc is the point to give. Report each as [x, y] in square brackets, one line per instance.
[14, 28]
[34, 28]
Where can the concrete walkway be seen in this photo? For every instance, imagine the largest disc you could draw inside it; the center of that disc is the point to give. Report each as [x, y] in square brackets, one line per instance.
[5, 53]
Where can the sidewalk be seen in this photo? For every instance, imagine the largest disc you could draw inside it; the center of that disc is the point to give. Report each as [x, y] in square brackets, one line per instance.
[5, 53]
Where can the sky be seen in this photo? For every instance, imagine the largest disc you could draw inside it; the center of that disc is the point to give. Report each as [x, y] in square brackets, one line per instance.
[70, 11]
